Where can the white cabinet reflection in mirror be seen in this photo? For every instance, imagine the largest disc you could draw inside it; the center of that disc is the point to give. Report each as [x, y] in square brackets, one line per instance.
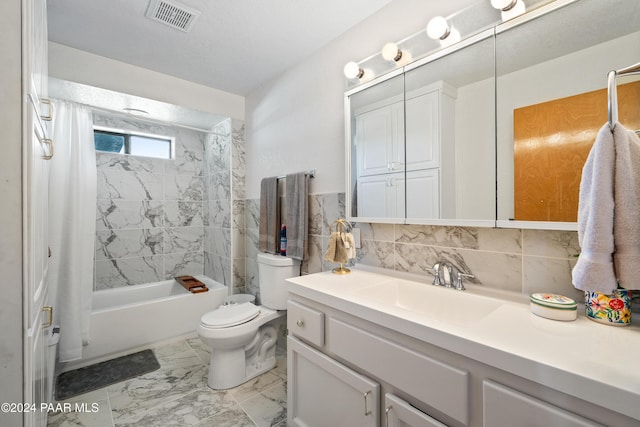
[422, 181]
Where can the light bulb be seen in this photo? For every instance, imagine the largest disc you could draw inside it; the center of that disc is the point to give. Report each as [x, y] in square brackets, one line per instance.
[353, 70]
[516, 10]
[438, 28]
[390, 52]
[503, 4]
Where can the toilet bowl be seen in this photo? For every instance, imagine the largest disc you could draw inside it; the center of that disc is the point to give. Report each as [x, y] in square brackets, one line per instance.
[243, 336]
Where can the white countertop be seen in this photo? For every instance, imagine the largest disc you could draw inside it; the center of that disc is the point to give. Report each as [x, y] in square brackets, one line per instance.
[591, 361]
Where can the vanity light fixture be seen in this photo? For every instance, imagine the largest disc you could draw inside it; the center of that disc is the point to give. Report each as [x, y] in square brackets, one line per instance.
[352, 70]
[438, 28]
[391, 52]
[509, 8]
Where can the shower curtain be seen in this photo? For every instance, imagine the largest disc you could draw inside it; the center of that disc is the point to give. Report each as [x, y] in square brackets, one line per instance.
[72, 225]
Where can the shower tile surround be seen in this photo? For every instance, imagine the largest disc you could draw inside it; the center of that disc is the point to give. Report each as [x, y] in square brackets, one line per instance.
[157, 219]
[521, 261]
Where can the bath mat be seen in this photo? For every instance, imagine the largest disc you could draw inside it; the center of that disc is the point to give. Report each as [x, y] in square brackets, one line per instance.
[93, 377]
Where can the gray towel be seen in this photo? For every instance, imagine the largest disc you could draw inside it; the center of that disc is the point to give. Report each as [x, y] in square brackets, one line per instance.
[297, 214]
[269, 229]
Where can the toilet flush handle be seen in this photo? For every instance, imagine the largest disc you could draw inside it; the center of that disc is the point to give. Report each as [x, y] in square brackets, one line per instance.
[300, 322]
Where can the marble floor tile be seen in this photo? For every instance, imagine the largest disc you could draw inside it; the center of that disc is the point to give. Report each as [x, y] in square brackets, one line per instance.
[187, 410]
[255, 386]
[234, 417]
[177, 395]
[269, 407]
[202, 350]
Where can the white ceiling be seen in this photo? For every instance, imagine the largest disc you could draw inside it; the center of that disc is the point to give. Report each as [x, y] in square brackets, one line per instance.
[235, 45]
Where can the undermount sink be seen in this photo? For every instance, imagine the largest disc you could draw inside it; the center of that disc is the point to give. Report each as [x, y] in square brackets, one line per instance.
[442, 304]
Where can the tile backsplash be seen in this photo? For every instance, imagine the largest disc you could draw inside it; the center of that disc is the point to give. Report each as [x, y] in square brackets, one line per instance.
[522, 261]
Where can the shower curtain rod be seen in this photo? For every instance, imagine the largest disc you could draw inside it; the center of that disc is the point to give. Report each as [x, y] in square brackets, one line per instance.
[156, 121]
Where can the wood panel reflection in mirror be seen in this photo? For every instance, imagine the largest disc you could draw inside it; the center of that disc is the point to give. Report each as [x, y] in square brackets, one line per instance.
[551, 143]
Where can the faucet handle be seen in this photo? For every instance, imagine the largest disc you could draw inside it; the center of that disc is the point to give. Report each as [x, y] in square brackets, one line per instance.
[459, 284]
[436, 274]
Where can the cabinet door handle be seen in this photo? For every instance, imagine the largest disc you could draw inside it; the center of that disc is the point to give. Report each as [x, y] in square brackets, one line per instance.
[366, 411]
[386, 414]
[300, 322]
[48, 309]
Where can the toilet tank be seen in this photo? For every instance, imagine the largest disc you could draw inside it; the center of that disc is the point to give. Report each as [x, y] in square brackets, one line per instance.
[272, 272]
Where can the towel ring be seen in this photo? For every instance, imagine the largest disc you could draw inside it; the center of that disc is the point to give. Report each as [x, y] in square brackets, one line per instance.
[341, 225]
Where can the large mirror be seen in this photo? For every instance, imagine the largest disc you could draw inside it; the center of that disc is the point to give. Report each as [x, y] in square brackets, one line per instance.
[422, 143]
[552, 100]
[494, 130]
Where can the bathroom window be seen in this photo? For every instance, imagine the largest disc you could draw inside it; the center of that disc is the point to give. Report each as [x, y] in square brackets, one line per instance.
[136, 144]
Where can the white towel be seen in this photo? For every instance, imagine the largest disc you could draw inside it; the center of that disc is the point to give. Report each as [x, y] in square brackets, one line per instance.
[609, 213]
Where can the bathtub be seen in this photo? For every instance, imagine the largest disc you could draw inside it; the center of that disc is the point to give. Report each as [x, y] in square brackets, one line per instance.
[124, 320]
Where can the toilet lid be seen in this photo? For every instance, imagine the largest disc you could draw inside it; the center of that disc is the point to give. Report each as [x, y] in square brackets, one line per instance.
[230, 315]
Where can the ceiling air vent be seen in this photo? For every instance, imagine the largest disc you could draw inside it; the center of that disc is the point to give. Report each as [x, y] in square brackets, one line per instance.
[173, 14]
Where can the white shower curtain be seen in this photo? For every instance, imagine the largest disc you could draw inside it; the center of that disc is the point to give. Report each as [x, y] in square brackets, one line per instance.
[72, 224]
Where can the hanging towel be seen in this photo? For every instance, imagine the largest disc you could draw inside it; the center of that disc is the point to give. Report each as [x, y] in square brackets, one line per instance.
[626, 224]
[297, 214]
[349, 244]
[609, 213]
[336, 252]
[269, 229]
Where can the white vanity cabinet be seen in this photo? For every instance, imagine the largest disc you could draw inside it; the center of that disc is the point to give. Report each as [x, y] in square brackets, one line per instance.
[321, 391]
[502, 405]
[349, 367]
[400, 414]
[337, 372]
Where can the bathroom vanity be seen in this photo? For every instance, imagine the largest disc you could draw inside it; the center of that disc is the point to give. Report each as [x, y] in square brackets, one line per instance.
[371, 349]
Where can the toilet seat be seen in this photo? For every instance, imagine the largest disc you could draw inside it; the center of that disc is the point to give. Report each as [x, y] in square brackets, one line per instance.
[230, 315]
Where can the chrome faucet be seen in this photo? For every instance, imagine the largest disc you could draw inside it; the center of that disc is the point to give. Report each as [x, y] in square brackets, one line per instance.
[444, 274]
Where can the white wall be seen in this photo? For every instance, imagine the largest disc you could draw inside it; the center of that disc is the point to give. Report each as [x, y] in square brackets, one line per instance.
[296, 122]
[11, 351]
[83, 67]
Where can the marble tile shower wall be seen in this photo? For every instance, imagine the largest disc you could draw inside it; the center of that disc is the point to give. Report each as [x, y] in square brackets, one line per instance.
[224, 191]
[521, 261]
[149, 222]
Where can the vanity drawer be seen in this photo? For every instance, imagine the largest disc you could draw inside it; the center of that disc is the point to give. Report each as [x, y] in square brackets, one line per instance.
[441, 386]
[305, 322]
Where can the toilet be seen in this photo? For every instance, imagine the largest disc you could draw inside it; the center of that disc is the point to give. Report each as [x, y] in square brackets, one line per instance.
[242, 337]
